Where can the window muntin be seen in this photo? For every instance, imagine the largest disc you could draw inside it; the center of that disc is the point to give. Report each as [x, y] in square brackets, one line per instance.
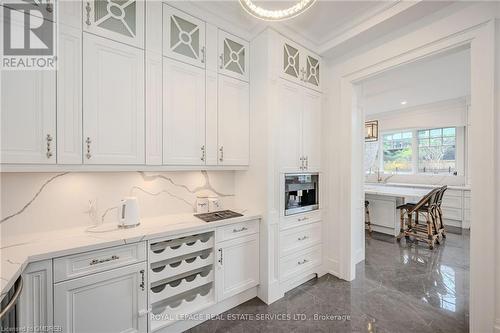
[437, 150]
[397, 151]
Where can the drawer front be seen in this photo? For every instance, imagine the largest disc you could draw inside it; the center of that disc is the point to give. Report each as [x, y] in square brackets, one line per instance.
[299, 262]
[236, 230]
[299, 238]
[452, 201]
[300, 219]
[82, 264]
[453, 193]
[452, 213]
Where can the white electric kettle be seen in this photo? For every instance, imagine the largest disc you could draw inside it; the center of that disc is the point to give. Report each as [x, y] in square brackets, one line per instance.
[128, 213]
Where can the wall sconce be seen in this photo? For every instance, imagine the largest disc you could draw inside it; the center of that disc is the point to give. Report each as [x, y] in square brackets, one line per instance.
[371, 131]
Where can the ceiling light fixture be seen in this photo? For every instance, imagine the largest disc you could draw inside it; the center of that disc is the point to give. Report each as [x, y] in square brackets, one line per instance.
[278, 14]
[404, 102]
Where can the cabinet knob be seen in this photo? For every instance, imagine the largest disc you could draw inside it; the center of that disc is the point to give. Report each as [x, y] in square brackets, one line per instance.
[88, 142]
[221, 154]
[49, 139]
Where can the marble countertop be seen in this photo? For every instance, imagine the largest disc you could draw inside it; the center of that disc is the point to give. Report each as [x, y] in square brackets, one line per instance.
[17, 252]
[395, 191]
[450, 187]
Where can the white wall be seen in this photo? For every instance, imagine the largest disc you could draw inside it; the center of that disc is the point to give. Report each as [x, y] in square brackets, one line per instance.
[63, 201]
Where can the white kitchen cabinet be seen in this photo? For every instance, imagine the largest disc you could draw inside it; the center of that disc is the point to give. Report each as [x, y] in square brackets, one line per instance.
[233, 121]
[233, 56]
[311, 129]
[299, 126]
[211, 118]
[237, 266]
[111, 301]
[119, 21]
[113, 102]
[184, 114]
[183, 37]
[300, 65]
[28, 117]
[69, 96]
[35, 302]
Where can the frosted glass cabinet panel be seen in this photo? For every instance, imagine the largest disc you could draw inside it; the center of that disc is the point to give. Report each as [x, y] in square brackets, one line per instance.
[183, 37]
[119, 20]
[233, 56]
[290, 68]
[300, 65]
[312, 71]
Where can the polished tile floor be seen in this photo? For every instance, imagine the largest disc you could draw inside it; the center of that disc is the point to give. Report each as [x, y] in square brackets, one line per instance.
[398, 288]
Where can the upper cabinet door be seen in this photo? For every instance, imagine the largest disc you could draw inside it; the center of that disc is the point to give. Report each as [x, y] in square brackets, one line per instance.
[233, 121]
[291, 61]
[184, 114]
[113, 102]
[233, 56]
[183, 37]
[311, 71]
[119, 20]
[311, 130]
[288, 124]
[28, 117]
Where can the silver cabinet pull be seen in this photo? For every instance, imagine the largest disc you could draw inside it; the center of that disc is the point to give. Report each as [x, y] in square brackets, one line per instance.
[307, 162]
[88, 142]
[240, 230]
[301, 163]
[302, 238]
[300, 219]
[302, 262]
[203, 55]
[221, 155]
[88, 9]
[221, 61]
[100, 261]
[303, 74]
[49, 139]
[203, 153]
[220, 257]
[143, 284]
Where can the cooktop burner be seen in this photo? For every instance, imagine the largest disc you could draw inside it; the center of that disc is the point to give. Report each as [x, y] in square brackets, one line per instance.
[217, 216]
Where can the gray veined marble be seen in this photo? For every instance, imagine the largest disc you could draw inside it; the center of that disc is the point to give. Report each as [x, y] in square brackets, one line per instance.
[398, 288]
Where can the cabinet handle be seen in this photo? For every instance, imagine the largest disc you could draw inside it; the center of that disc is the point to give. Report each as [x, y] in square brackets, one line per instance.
[49, 139]
[88, 142]
[221, 61]
[302, 238]
[203, 153]
[203, 55]
[303, 76]
[240, 230]
[142, 285]
[220, 257]
[100, 261]
[300, 219]
[221, 155]
[302, 262]
[88, 9]
[307, 163]
[302, 159]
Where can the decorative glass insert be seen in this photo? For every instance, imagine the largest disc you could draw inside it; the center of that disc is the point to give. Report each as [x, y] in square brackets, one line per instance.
[184, 37]
[312, 71]
[291, 61]
[234, 56]
[116, 15]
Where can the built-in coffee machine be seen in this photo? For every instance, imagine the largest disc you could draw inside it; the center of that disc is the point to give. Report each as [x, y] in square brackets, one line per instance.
[301, 192]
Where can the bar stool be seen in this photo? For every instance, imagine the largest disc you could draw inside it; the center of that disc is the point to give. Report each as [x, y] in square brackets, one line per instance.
[368, 224]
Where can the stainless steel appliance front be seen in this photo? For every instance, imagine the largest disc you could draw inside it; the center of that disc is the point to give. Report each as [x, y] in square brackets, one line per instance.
[301, 192]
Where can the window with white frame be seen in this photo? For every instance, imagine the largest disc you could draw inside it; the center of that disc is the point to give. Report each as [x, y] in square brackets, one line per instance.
[422, 151]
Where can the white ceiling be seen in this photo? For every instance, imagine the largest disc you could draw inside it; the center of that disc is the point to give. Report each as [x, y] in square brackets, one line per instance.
[322, 22]
[432, 80]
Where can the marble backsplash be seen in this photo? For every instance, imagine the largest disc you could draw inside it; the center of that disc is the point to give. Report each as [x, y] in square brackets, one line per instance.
[41, 202]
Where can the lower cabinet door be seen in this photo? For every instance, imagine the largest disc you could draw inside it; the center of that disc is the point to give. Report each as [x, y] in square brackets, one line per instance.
[35, 302]
[237, 266]
[112, 301]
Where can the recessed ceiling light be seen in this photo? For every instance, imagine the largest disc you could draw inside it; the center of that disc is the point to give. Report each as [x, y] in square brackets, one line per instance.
[404, 102]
